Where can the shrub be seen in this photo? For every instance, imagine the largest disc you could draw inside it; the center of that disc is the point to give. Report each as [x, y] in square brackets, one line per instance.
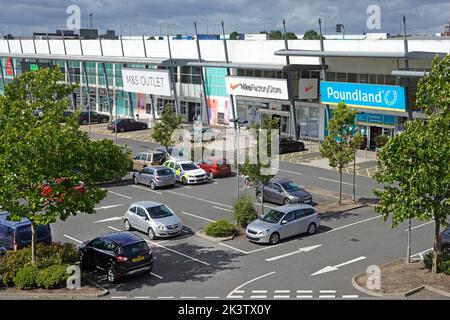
[243, 211]
[220, 228]
[12, 262]
[25, 278]
[443, 262]
[52, 277]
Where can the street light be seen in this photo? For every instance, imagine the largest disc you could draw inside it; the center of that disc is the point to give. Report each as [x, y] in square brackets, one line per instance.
[236, 130]
[339, 28]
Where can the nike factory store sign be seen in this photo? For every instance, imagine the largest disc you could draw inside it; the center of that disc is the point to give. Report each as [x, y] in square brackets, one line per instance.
[361, 95]
[257, 87]
[146, 81]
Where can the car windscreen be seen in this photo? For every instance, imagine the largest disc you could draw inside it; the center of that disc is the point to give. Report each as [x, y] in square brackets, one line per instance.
[159, 212]
[221, 162]
[273, 216]
[164, 172]
[189, 166]
[290, 186]
[24, 233]
[158, 156]
[134, 249]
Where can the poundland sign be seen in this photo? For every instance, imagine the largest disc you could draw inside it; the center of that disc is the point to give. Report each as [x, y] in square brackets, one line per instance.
[370, 96]
[146, 81]
[257, 87]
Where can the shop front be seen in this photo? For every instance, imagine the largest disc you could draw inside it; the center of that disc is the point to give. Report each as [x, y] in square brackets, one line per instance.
[373, 125]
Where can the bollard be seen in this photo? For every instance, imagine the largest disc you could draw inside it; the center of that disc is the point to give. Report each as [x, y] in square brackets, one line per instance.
[366, 152]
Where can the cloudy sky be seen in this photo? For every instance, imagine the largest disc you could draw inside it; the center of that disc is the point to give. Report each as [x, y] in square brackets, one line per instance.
[22, 17]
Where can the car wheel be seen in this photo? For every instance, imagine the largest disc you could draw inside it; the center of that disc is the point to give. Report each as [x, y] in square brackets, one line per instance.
[274, 238]
[104, 120]
[144, 127]
[152, 185]
[151, 234]
[312, 228]
[111, 274]
[259, 197]
[184, 181]
[287, 201]
[84, 122]
[211, 175]
[127, 225]
[121, 129]
[135, 180]
[446, 249]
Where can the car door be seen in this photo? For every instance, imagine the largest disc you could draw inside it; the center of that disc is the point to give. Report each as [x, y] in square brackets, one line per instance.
[137, 165]
[131, 216]
[269, 192]
[5, 237]
[177, 170]
[94, 253]
[303, 218]
[104, 253]
[141, 219]
[94, 116]
[148, 175]
[287, 227]
[278, 194]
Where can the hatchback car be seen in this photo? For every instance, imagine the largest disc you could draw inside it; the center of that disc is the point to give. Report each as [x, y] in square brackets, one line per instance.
[118, 254]
[283, 191]
[154, 218]
[16, 235]
[202, 135]
[126, 125]
[150, 158]
[187, 172]
[94, 117]
[215, 166]
[172, 153]
[157, 176]
[444, 241]
[288, 145]
[283, 222]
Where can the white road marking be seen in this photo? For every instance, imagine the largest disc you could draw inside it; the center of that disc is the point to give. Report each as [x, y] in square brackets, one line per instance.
[282, 291]
[212, 297]
[115, 229]
[118, 194]
[259, 297]
[420, 225]
[245, 283]
[177, 252]
[350, 296]
[327, 291]
[239, 291]
[142, 297]
[293, 172]
[421, 252]
[165, 297]
[235, 297]
[355, 223]
[231, 247]
[187, 297]
[198, 217]
[187, 187]
[327, 297]
[304, 297]
[156, 275]
[306, 249]
[259, 291]
[215, 182]
[350, 184]
[73, 239]
[336, 267]
[228, 210]
[199, 199]
[118, 297]
[304, 291]
[268, 247]
[108, 219]
[265, 205]
[146, 189]
[281, 296]
[109, 207]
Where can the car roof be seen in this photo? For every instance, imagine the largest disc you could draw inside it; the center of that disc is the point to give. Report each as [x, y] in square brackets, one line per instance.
[147, 203]
[3, 220]
[183, 161]
[280, 180]
[157, 167]
[122, 237]
[291, 207]
[215, 158]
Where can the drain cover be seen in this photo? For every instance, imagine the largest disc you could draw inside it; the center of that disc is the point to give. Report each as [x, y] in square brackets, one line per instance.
[354, 240]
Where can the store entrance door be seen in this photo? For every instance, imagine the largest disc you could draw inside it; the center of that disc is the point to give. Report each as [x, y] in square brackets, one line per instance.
[283, 120]
[191, 111]
[374, 133]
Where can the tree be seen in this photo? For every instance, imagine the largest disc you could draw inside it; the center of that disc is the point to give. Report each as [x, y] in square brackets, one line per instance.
[342, 141]
[234, 35]
[164, 129]
[50, 171]
[311, 35]
[276, 35]
[256, 171]
[291, 36]
[415, 166]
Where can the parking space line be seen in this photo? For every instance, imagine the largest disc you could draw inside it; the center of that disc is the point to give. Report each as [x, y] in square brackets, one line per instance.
[259, 297]
[199, 199]
[237, 290]
[142, 297]
[115, 229]
[118, 297]
[146, 189]
[109, 207]
[235, 297]
[304, 297]
[118, 194]
[259, 291]
[327, 291]
[355, 223]
[327, 297]
[350, 184]
[73, 239]
[156, 275]
[422, 252]
[420, 225]
[211, 297]
[265, 205]
[265, 248]
[228, 210]
[165, 297]
[187, 297]
[231, 247]
[198, 217]
[281, 296]
[304, 291]
[350, 296]
[177, 252]
[282, 291]
[293, 172]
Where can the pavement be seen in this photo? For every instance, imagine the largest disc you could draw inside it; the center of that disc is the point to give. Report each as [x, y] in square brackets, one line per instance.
[303, 267]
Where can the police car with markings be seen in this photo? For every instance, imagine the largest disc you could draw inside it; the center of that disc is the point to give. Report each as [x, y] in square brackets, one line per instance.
[186, 172]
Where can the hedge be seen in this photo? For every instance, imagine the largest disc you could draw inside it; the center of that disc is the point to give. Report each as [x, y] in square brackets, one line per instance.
[220, 228]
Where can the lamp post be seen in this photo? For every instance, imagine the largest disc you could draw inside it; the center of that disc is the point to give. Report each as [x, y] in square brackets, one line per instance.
[339, 28]
[237, 121]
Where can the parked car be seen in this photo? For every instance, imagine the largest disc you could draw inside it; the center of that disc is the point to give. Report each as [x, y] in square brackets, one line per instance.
[154, 218]
[186, 172]
[202, 135]
[215, 166]
[283, 191]
[149, 158]
[283, 222]
[95, 117]
[444, 241]
[288, 145]
[16, 235]
[173, 153]
[118, 254]
[127, 125]
[3, 251]
[156, 176]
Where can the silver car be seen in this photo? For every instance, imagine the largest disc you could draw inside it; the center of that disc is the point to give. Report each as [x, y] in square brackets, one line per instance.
[154, 218]
[283, 191]
[283, 222]
[156, 176]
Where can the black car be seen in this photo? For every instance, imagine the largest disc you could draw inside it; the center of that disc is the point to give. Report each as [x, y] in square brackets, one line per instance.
[118, 254]
[95, 117]
[444, 241]
[288, 145]
[127, 125]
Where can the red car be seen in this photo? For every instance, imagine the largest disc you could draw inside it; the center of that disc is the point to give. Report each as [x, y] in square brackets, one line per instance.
[215, 166]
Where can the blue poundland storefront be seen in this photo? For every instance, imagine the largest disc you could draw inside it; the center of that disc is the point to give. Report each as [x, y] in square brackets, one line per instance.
[378, 98]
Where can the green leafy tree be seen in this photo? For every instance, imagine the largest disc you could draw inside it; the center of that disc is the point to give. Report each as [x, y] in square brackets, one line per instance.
[291, 36]
[234, 35]
[49, 171]
[166, 127]
[342, 141]
[257, 170]
[276, 35]
[311, 35]
[415, 166]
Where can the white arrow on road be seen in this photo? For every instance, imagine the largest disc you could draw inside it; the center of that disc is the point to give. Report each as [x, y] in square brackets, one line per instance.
[336, 267]
[305, 249]
[109, 219]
